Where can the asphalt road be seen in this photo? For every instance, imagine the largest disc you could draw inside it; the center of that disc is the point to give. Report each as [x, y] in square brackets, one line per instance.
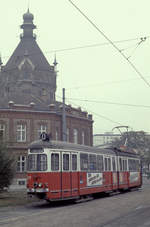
[130, 209]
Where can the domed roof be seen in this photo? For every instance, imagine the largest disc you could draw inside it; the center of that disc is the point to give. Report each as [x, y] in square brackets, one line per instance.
[28, 16]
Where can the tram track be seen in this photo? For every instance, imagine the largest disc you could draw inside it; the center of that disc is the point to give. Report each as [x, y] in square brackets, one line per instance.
[20, 216]
[23, 213]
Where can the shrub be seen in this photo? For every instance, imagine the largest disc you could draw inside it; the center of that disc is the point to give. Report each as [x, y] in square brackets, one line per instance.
[7, 166]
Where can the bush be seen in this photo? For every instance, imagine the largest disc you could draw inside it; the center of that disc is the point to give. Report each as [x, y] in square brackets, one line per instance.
[7, 166]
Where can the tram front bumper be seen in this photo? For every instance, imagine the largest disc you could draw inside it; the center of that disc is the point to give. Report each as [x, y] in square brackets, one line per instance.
[37, 190]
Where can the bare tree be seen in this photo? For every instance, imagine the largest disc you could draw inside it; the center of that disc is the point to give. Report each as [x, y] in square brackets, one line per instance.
[138, 141]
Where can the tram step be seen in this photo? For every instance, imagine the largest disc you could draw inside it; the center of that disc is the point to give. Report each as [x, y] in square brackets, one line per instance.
[84, 199]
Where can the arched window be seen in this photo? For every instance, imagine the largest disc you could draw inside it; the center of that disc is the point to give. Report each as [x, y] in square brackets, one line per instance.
[57, 133]
[75, 135]
[68, 133]
[83, 137]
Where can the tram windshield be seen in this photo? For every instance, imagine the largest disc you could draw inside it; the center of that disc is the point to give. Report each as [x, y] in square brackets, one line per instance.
[37, 162]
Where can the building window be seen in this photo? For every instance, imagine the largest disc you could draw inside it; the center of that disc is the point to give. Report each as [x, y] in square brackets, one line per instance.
[21, 182]
[41, 129]
[2, 130]
[56, 134]
[83, 137]
[21, 164]
[68, 133]
[43, 91]
[21, 133]
[75, 135]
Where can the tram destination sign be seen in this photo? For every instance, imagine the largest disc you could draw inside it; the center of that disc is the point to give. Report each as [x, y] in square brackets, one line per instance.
[36, 151]
[94, 179]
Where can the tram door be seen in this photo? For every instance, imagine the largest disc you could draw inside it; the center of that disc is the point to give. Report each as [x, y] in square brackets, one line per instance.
[69, 175]
[65, 175]
[74, 174]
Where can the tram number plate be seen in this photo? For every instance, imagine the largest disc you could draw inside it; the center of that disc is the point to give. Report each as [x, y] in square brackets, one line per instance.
[40, 190]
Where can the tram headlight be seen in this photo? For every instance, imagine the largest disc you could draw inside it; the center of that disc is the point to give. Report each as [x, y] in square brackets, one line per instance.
[40, 185]
[46, 185]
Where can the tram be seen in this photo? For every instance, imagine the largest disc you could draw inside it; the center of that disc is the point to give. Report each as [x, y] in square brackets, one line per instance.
[59, 170]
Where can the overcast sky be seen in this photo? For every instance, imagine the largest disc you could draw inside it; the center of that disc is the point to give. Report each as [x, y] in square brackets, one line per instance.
[97, 73]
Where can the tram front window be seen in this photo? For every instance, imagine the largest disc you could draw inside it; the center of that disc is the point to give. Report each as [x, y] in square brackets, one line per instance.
[37, 162]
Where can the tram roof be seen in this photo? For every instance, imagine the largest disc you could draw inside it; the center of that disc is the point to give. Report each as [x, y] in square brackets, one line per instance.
[77, 147]
[69, 146]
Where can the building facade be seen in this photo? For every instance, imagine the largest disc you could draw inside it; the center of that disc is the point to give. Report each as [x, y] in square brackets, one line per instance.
[28, 105]
[104, 139]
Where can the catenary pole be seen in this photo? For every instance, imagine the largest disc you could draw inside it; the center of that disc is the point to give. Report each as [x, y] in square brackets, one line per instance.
[64, 127]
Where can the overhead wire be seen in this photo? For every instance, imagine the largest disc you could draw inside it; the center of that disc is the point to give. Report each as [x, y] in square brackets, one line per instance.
[111, 103]
[109, 40]
[99, 115]
[85, 46]
[138, 44]
[103, 84]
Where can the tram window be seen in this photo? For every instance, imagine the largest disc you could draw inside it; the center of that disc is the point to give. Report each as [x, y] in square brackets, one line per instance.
[113, 163]
[120, 163]
[137, 165]
[106, 166]
[84, 161]
[130, 164]
[74, 162]
[37, 162]
[65, 161]
[133, 166]
[54, 162]
[92, 162]
[100, 163]
[42, 162]
[125, 165]
[32, 162]
[109, 164]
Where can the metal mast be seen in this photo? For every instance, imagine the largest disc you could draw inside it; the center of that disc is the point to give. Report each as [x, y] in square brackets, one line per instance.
[64, 127]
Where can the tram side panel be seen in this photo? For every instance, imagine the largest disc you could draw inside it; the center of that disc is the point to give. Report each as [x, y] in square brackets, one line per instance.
[134, 173]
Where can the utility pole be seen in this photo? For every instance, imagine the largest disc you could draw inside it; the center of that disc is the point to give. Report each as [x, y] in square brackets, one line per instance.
[64, 127]
[1, 63]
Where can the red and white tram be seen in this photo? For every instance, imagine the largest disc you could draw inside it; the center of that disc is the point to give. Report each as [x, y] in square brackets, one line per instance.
[60, 170]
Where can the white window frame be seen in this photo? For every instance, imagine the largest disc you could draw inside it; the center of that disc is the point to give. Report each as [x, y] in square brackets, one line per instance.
[68, 133]
[22, 168]
[42, 128]
[56, 134]
[23, 180]
[75, 136]
[58, 153]
[21, 133]
[83, 137]
[2, 129]
[66, 153]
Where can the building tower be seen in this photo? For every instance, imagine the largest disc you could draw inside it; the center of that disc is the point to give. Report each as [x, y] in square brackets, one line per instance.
[27, 102]
[27, 77]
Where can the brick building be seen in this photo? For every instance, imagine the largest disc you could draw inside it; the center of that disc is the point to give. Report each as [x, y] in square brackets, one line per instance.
[28, 105]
